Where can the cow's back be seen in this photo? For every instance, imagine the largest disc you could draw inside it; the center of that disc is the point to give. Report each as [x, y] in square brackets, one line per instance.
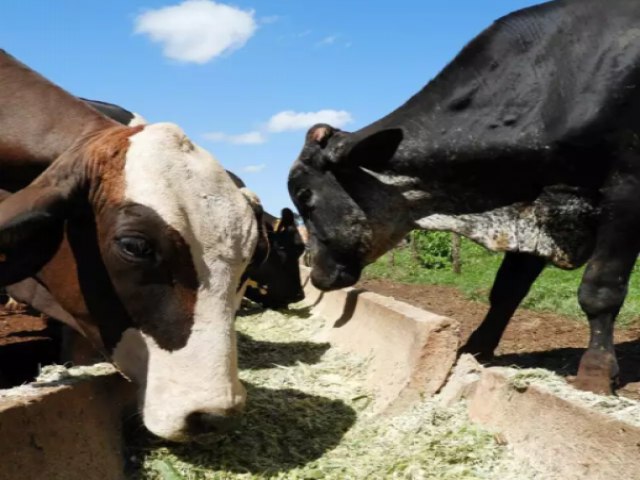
[540, 77]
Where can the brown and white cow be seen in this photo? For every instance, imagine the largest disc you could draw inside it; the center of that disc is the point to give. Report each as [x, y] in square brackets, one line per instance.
[274, 273]
[139, 235]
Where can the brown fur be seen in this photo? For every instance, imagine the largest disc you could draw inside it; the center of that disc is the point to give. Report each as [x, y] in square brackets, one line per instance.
[104, 154]
[42, 126]
[38, 121]
[61, 279]
[112, 266]
[102, 157]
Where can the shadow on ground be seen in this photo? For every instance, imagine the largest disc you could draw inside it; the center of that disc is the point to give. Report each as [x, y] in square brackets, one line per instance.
[298, 312]
[23, 353]
[564, 361]
[280, 430]
[258, 354]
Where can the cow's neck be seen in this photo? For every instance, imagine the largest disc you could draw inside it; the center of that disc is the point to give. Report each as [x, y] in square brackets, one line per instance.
[38, 122]
[557, 223]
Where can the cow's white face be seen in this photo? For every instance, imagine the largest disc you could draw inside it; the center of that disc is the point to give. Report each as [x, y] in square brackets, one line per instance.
[142, 238]
[181, 350]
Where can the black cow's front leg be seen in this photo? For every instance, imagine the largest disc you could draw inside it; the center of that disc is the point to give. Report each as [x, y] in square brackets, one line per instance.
[515, 276]
[605, 280]
[602, 292]
[601, 295]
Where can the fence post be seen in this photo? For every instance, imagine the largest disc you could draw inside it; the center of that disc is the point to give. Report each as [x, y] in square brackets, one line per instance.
[414, 246]
[455, 253]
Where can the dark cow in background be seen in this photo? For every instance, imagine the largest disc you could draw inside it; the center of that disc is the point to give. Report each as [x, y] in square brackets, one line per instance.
[275, 282]
[138, 235]
[274, 275]
[114, 112]
[527, 142]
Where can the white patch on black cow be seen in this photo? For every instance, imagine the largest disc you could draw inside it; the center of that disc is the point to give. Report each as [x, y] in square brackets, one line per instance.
[192, 193]
[559, 225]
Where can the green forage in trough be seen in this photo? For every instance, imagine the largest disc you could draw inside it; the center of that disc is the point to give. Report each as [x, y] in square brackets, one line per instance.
[309, 416]
[166, 470]
[621, 408]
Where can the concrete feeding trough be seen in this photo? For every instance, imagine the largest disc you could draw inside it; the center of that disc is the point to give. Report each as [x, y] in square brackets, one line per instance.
[563, 432]
[412, 351]
[548, 424]
[567, 433]
[65, 425]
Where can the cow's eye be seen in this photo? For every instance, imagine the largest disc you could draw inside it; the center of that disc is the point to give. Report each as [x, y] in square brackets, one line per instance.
[304, 196]
[136, 248]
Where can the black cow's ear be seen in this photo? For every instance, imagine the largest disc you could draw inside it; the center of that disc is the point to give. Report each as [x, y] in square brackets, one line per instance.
[319, 134]
[287, 219]
[32, 224]
[375, 150]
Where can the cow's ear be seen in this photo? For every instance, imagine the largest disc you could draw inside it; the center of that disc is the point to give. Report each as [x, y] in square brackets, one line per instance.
[320, 134]
[235, 179]
[32, 224]
[373, 151]
[287, 220]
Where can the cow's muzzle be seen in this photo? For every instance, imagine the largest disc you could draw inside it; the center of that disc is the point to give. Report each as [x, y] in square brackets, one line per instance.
[205, 423]
[329, 274]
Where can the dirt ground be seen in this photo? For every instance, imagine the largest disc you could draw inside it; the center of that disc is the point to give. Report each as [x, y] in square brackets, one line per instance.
[532, 339]
[27, 341]
[20, 327]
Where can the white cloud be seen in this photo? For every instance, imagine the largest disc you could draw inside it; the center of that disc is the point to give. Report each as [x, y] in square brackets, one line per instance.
[249, 138]
[270, 19]
[197, 30]
[284, 121]
[290, 120]
[254, 168]
[330, 40]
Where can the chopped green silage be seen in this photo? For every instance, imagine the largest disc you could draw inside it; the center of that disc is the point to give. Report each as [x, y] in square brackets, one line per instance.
[57, 376]
[60, 374]
[308, 417]
[621, 408]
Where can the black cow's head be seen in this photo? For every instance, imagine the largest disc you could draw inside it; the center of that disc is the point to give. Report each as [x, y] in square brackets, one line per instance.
[352, 216]
[275, 282]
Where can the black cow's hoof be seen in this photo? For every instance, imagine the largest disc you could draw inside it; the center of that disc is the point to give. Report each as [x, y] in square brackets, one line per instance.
[479, 351]
[598, 372]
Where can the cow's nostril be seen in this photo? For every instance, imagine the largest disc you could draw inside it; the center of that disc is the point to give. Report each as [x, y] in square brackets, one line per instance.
[200, 423]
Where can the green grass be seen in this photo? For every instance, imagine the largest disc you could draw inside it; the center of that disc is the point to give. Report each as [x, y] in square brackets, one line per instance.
[554, 291]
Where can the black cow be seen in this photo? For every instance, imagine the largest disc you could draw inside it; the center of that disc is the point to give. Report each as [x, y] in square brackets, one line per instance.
[527, 142]
[274, 279]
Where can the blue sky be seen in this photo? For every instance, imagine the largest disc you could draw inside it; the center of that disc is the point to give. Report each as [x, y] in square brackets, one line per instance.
[226, 72]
